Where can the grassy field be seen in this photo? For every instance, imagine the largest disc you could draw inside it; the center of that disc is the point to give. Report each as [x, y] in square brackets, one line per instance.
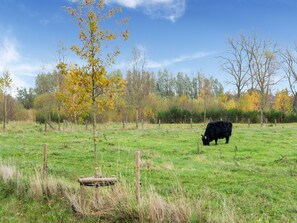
[253, 178]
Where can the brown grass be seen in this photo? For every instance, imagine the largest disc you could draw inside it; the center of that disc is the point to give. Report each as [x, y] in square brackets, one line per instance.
[118, 203]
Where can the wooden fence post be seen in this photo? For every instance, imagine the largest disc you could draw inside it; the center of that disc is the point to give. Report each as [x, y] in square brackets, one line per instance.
[274, 122]
[123, 123]
[137, 181]
[159, 123]
[137, 119]
[249, 122]
[44, 162]
[191, 120]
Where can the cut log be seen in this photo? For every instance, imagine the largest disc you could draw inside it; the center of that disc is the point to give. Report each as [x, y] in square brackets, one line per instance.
[97, 182]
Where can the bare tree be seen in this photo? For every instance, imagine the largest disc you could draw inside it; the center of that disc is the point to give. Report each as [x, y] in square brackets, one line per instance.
[263, 66]
[139, 81]
[289, 66]
[236, 64]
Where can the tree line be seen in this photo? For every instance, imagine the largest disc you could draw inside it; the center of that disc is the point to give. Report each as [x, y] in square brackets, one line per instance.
[253, 66]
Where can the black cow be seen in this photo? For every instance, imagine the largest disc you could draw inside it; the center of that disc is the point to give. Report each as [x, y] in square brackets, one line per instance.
[217, 130]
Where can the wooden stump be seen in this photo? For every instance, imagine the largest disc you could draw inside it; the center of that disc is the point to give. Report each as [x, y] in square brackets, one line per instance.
[97, 181]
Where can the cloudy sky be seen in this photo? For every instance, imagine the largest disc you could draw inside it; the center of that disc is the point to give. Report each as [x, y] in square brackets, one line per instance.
[178, 35]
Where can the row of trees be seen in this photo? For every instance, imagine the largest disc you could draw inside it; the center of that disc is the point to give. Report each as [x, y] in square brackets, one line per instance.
[144, 97]
[252, 65]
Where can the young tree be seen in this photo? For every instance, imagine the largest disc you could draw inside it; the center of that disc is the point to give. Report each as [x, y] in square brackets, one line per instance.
[60, 80]
[5, 84]
[90, 83]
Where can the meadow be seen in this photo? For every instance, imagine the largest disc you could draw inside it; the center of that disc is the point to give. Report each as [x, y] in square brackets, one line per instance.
[251, 179]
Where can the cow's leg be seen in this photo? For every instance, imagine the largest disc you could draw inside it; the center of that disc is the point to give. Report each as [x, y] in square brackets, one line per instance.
[216, 140]
[227, 139]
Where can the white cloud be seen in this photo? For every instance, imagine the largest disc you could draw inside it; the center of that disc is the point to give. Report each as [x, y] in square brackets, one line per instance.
[166, 9]
[8, 52]
[182, 58]
[165, 63]
[21, 69]
[44, 22]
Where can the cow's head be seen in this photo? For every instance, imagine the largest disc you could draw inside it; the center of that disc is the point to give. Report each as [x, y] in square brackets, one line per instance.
[205, 140]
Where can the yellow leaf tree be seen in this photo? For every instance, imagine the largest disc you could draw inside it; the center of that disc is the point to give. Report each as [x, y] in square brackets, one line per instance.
[283, 102]
[255, 99]
[89, 85]
[245, 102]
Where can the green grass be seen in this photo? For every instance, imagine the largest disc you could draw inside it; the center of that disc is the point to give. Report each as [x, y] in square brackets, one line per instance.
[259, 178]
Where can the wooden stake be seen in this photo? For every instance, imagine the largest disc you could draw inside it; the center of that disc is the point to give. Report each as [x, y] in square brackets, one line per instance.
[137, 119]
[159, 122]
[249, 121]
[191, 123]
[44, 162]
[137, 182]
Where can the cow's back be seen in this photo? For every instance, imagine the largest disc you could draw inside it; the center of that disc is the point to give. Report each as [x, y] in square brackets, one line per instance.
[218, 129]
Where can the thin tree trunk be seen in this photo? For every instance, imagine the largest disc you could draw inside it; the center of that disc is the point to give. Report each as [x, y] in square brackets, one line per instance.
[295, 102]
[204, 115]
[261, 118]
[94, 124]
[59, 117]
[4, 116]
[94, 135]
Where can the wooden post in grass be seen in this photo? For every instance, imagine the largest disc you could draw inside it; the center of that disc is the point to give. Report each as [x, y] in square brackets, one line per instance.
[123, 123]
[191, 120]
[137, 181]
[274, 122]
[159, 123]
[137, 119]
[44, 162]
[249, 121]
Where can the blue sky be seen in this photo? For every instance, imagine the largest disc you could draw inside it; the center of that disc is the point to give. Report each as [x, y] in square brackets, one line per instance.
[178, 35]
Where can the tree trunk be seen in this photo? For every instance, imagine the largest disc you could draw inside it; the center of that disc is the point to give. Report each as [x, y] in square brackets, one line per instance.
[295, 102]
[59, 126]
[261, 118]
[4, 113]
[94, 135]
[204, 116]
